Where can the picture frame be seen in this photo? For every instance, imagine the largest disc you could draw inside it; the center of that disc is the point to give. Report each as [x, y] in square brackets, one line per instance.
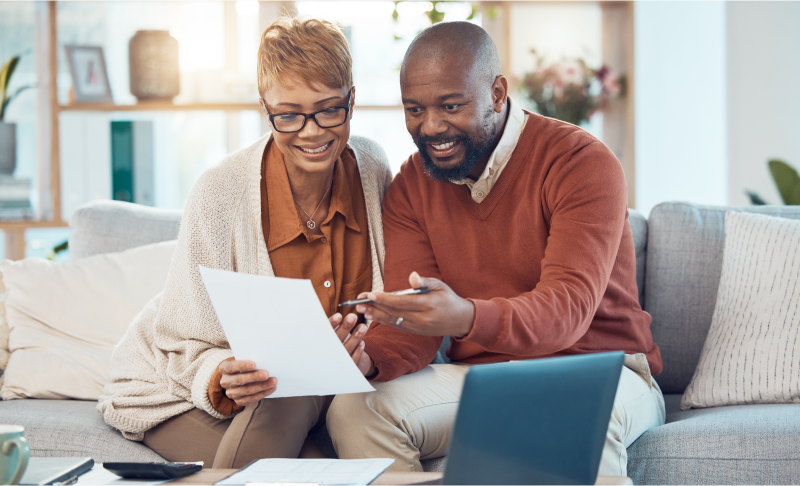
[87, 66]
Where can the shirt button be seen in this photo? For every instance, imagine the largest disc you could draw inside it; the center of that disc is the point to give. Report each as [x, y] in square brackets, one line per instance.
[479, 194]
[491, 171]
[327, 284]
[323, 239]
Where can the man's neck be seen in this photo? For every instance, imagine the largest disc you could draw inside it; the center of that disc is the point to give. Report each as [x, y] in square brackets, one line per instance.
[480, 166]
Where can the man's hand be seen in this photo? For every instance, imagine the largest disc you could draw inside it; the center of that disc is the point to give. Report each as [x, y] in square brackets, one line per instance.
[244, 384]
[440, 312]
[352, 336]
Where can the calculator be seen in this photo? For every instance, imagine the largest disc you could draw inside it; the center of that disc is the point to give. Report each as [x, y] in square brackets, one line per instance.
[152, 470]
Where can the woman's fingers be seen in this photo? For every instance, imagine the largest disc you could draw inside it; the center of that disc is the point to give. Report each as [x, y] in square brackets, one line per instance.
[240, 379]
[358, 352]
[335, 320]
[235, 366]
[247, 400]
[347, 326]
[241, 392]
[355, 339]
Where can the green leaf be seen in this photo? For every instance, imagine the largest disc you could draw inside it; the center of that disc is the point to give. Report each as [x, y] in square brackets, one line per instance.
[787, 180]
[5, 79]
[755, 199]
[7, 72]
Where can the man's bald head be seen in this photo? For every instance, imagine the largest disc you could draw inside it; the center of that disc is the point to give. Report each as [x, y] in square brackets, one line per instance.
[462, 40]
[455, 99]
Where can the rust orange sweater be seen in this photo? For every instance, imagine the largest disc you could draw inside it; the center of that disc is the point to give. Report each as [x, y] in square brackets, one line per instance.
[547, 257]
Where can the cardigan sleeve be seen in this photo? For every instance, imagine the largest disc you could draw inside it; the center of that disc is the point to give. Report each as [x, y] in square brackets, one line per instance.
[188, 330]
[164, 364]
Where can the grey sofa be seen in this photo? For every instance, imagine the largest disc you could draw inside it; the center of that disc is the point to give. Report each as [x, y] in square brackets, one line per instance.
[679, 261]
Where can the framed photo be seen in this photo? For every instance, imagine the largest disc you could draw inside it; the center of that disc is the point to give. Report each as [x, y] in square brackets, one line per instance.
[89, 76]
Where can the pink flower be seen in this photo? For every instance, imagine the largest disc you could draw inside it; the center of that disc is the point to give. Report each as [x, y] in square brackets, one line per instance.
[570, 72]
[611, 84]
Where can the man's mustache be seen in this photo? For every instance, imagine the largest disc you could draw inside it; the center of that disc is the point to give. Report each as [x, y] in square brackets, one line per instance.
[438, 140]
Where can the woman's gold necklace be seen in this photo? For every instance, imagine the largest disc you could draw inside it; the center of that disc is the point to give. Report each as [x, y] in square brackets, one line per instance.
[310, 223]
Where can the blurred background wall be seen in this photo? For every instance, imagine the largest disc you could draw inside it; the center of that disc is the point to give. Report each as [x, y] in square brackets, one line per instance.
[711, 89]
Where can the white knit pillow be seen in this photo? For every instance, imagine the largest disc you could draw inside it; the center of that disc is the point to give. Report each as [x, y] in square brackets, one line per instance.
[752, 351]
[65, 318]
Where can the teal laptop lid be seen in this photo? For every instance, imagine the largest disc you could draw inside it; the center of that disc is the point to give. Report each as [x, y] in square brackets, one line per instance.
[540, 421]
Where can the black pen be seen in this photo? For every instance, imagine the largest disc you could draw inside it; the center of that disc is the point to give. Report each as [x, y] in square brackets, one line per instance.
[421, 290]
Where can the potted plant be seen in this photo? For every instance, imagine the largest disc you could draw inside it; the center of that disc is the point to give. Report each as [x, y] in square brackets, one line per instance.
[786, 179]
[8, 131]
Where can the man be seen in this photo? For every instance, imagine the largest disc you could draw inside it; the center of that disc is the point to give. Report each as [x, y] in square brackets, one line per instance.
[518, 224]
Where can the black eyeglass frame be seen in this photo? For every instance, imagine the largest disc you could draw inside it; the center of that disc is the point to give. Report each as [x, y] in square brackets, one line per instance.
[310, 115]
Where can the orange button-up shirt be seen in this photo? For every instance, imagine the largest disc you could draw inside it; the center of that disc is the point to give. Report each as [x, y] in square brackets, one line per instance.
[337, 262]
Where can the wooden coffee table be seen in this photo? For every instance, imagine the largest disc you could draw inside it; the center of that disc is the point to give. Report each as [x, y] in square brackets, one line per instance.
[211, 476]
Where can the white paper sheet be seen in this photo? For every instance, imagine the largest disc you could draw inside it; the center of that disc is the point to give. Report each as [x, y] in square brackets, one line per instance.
[280, 325]
[320, 471]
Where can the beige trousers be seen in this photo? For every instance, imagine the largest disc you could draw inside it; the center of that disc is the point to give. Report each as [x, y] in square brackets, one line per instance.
[276, 427]
[412, 417]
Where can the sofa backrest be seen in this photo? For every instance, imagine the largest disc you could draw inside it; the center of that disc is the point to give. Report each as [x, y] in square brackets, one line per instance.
[108, 226]
[685, 243]
[639, 230]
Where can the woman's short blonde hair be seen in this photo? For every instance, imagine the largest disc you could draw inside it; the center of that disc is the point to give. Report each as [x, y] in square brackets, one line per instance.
[311, 50]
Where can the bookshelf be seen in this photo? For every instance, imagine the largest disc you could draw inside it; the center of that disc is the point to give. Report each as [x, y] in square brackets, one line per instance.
[618, 123]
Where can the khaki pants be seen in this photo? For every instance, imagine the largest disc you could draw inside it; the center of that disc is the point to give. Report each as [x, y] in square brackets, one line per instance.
[412, 417]
[276, 427]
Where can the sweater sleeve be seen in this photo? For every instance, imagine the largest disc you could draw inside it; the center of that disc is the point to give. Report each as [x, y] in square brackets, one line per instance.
[586, 198]
[164, 364]
[395, 352]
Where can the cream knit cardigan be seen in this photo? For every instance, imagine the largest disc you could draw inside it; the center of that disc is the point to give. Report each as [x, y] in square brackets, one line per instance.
[163, 365]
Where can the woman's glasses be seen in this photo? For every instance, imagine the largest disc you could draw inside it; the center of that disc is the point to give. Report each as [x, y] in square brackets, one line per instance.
[294, 122]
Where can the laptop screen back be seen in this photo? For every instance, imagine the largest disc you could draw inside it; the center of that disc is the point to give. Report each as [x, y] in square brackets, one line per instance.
[539, 421]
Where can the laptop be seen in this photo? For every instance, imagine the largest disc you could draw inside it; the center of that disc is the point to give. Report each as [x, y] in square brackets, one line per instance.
[540, 421]
[51, 470]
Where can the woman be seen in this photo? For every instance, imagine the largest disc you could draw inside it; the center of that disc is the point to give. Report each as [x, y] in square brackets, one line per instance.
[302, 202]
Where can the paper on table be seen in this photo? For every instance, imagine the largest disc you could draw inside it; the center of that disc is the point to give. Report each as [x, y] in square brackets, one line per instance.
[320, 471]
[280, 325]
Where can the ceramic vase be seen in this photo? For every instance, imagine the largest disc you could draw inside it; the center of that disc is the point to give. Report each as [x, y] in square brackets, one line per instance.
[8, 148]
[153, 56]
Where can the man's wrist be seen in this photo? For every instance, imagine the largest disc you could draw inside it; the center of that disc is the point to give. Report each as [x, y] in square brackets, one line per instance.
[468, 319]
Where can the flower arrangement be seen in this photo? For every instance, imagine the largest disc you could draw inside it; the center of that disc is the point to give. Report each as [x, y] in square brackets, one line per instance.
[569, 90]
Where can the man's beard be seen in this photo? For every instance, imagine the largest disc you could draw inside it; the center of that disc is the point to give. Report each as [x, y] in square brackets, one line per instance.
[474, 149]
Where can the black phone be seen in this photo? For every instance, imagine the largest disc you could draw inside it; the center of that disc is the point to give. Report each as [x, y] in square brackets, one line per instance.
[152, 470]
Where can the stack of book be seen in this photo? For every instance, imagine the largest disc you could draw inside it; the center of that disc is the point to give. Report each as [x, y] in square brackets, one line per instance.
[15, 198]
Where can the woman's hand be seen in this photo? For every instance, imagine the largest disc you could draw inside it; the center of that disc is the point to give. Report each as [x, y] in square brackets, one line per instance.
[352, 336]
[244, 384]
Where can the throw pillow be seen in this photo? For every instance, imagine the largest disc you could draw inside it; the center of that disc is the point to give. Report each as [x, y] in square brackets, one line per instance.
[64, 319]
[750, 353]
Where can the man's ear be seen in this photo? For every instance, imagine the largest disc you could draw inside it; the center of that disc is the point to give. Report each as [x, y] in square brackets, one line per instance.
[500, 93]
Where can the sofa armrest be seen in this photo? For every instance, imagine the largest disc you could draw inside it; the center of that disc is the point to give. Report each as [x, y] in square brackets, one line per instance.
[109, 226]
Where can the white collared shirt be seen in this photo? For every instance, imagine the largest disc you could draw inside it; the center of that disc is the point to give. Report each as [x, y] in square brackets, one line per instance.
[502, 154]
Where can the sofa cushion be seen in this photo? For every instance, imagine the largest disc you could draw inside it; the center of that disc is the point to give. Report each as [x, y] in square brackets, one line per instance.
[65, 318]
[743, 444]
[750, 353]
[684, 263]
[71, 428]
[111, 226]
